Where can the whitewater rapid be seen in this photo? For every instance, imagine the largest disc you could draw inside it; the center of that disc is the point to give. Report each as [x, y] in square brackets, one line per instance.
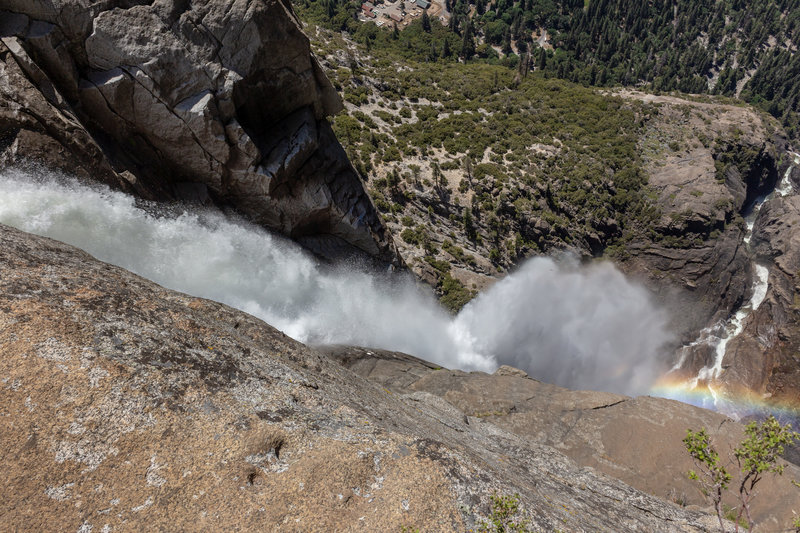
[580, 327]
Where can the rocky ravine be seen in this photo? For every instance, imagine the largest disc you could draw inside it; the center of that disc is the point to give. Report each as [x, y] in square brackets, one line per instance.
[206, 102]
[125, 406]
[696, 259]
[700, 265]
[706, 162]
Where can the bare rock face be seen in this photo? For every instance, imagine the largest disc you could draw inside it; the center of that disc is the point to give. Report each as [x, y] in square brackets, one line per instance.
[706, 164]
[774, 330]
[637, 440]
[37, 125]
[207, 101]
[126, 407]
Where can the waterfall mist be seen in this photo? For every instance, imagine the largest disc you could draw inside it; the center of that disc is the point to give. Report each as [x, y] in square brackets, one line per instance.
[580, 327]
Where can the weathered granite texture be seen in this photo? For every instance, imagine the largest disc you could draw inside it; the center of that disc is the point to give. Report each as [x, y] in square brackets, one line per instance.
[201, 101]
[637, 440]
[125, 406]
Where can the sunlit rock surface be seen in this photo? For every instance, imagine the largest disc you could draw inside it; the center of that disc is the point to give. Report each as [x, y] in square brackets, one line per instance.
[134, 407]
[637, 440]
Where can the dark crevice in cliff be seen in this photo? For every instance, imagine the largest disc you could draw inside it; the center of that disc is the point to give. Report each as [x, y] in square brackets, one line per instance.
[221, 149]
[761, 180]
[609, 405]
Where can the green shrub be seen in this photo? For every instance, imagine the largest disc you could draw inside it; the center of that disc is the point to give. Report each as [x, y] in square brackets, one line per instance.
[755, 456]
[504, 516]
[454, 295]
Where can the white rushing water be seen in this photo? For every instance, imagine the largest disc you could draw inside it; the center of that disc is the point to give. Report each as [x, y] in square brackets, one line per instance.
[719, 335]
[731, 328]
[785, 187]
[581, 327]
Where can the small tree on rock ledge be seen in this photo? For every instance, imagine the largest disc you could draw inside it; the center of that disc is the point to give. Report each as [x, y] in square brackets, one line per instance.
[713, 476]
[756, 455]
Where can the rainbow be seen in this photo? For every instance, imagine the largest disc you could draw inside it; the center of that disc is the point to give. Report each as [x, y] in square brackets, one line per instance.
[740, 405]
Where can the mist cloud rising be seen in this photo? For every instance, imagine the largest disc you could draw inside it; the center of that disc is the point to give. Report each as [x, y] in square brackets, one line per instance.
[580, 327]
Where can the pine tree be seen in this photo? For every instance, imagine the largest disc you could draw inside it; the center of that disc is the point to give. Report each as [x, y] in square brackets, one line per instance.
[507, 42]
[426, 22]
[446, 52]
[467, 43]
[468, 159]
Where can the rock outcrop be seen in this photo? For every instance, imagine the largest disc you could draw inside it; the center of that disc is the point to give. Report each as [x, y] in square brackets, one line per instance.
[774, 330]
[696, 259]
[637, 440]
[125, 406]
[706, 163]
[204, 102]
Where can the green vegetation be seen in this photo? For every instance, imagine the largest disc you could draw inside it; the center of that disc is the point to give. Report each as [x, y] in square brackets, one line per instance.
[457, 253]
[509, 153]
[755, 456]
[453, 294]
[714, 477]
[724, 47]
[504, 516]
[758, 454]
[731, 514]
[558, 152]
[506, 167]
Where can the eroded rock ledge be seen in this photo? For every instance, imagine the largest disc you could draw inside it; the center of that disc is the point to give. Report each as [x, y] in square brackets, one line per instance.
[206, 101]
[125, 406]
[637, 440]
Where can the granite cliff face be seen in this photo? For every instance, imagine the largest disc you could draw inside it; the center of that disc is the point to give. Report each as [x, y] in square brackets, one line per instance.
[774, 330]
[128, 406]
[723, 157]
[210, 102]
[712, 233]
[700, 256]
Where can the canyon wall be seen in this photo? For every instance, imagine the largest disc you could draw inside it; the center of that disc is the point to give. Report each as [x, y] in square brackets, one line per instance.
[213, 103]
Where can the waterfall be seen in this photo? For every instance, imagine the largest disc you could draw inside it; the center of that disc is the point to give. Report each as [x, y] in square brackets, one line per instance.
[702, 389]
[573, 325]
